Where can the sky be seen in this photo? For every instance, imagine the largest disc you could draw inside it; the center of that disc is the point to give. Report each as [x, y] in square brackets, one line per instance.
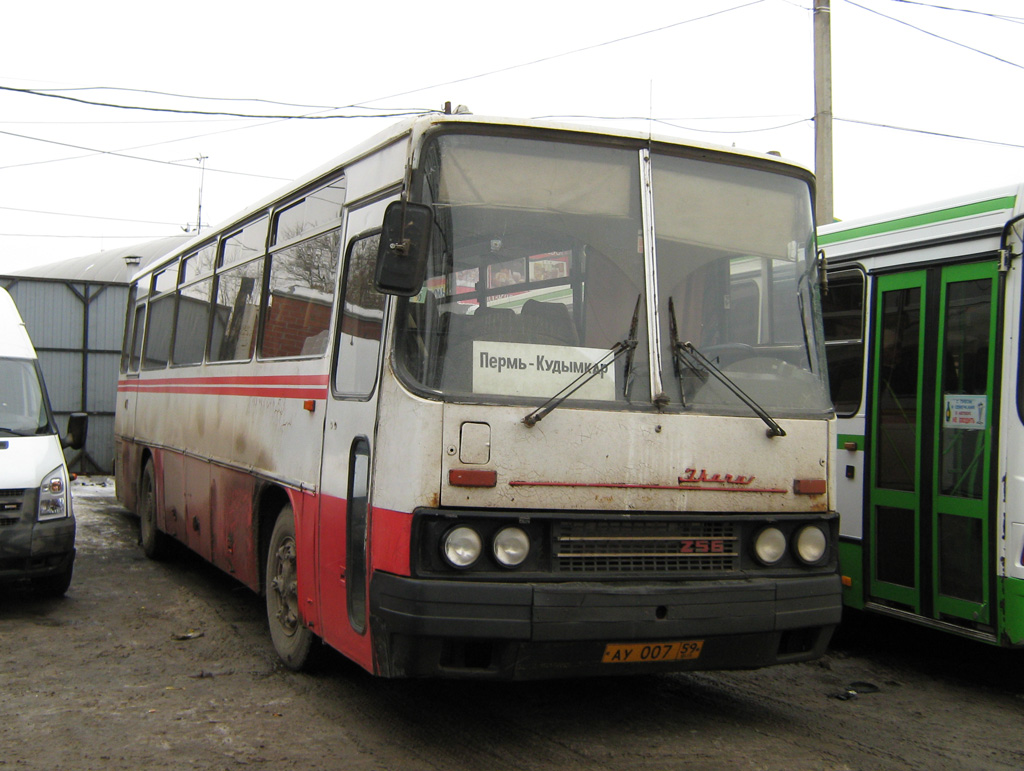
[925, 96]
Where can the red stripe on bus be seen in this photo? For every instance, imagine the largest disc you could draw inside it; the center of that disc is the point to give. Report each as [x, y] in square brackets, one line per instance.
[630, 486]
[281, 393]
[272, 386]
[237, 380]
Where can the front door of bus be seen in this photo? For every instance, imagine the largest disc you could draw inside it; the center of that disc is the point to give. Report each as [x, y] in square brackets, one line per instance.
[348, 442]
[930, 482]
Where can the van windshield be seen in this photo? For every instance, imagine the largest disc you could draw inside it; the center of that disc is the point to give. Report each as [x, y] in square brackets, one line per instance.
[23, 409]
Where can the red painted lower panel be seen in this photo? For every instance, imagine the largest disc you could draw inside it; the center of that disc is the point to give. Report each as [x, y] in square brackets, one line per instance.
[305, 506]
[210, 508]
[231, 520]
[332, 546]
[390, 541]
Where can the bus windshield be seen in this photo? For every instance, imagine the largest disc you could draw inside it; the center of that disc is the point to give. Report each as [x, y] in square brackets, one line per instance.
[539, 269]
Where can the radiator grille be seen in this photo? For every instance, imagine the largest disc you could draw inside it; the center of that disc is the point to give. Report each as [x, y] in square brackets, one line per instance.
[11, 502]
[645, 547]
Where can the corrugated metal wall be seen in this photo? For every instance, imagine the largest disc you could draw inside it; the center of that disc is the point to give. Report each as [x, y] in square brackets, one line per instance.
[77, 328]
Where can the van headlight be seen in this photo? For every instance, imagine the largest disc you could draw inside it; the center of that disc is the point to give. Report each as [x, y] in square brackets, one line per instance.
[53, 495]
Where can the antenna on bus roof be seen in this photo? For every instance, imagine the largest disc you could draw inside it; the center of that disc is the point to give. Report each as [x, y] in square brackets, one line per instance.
[650, 112]
[460, 110]
[187, 227]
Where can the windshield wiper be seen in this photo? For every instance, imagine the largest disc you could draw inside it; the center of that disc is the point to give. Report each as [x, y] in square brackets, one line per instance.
[686, 354]
[627, 347]
[678, 360]
[630, 342]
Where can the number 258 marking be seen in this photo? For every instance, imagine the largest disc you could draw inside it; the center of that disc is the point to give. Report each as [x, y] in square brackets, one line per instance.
[701, 546]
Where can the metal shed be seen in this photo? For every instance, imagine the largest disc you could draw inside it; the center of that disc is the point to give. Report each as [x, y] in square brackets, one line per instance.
[75, 312]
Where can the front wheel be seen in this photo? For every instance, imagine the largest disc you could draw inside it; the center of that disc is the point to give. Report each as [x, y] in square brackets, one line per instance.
[292, 639]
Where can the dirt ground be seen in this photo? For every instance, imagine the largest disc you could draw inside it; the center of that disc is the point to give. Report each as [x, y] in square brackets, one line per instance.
[168, 666]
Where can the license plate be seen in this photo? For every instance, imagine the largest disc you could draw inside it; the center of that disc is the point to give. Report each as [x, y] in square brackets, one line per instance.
[633, 653]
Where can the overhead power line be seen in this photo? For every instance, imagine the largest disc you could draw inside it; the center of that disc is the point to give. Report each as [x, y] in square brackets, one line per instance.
[552, 57]
[218, 113]
[363, 105]
[134, 157]
[929, 133]
[934, 35]
[106, 237]
[1000, 16]
[87, 216]
[185, 96]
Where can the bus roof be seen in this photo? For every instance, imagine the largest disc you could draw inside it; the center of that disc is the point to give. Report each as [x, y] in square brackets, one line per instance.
[973, 214]
[417, 125]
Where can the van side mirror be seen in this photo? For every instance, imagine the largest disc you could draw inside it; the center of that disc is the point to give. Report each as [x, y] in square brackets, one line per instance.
[78, 429]
[404, 245]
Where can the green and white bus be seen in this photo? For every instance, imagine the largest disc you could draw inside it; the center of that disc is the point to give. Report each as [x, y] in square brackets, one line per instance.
[923, 331]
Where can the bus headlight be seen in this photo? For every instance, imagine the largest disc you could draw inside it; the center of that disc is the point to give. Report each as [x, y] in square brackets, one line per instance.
[511, 547]
[53, 495]
[770, 545]
[461, 547]
[811, 544]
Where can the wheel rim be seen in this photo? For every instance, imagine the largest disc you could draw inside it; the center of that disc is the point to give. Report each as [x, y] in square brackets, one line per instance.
[284, 587]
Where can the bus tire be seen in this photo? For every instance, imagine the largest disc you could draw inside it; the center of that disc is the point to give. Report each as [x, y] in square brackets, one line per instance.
[153, 542]
[292, 639]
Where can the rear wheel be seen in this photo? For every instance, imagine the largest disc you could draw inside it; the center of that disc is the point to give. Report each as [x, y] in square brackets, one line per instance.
[292, 639]
[154, 543]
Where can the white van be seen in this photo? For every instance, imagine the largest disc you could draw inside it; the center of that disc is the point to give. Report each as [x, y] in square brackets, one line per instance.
[37, 524]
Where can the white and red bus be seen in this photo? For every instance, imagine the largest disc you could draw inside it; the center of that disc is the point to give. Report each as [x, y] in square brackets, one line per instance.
[501, 399]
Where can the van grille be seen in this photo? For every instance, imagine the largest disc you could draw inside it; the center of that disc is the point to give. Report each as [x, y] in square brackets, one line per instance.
[646, 547]
[11, 503]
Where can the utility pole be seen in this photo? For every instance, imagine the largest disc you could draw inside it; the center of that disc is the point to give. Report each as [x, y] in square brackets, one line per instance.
[823, 110]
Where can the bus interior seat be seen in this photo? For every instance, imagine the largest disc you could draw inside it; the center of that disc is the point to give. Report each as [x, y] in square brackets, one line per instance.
[486, 324]
[498, 324]
[548, 324]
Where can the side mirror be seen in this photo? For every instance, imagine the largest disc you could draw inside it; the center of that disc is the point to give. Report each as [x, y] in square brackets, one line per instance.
[78, 429]
[404, 245]
[823, 271]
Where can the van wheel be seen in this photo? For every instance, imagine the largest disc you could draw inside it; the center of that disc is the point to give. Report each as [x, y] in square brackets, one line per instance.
[154, 543]
[291, 637]
[53, 586]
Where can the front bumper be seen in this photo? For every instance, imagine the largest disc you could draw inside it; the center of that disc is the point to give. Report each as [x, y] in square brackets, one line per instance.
[534, 630]
[30, 549]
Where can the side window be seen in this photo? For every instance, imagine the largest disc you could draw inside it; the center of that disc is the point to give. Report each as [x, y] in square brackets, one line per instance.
[302, 281]
[239, 288]
[139, 318]
[157, 348]
[193, 316]
[192, 321]
[129, 323]
[843, 312]
[361, 321]
[236, 312]
[313, 213]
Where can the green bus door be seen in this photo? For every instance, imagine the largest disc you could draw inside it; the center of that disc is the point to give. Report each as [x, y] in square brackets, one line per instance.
[929, 488]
